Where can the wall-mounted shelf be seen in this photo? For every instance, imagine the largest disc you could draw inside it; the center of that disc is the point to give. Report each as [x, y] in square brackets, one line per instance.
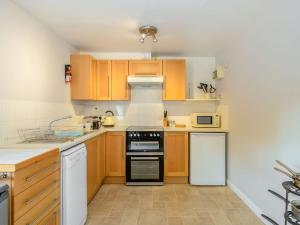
[203, 99]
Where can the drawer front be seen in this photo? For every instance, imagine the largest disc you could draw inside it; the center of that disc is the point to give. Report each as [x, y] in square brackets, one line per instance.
[35, 172]
[39, 212]
[53, 218]
[33, 195]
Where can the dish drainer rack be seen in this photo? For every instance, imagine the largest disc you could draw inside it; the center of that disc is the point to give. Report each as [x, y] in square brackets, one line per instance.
[42, 134]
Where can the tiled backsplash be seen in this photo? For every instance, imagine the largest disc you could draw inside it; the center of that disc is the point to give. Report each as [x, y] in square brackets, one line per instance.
[145, 108]
[28, 114]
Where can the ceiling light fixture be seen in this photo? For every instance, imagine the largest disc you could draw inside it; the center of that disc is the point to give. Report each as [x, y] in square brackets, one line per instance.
[148, 31]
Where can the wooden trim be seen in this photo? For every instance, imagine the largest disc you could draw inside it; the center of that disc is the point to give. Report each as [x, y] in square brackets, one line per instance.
[114, 180]
[176, 180]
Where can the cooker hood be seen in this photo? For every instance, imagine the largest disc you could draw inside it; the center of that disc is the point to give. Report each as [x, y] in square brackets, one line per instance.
[145, 80]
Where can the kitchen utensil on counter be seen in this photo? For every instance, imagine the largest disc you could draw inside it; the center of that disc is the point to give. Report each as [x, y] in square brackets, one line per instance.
[295, 205]
[180, 125]
[108, 120]
[290, 173]
[165, 122]
[96, 123]
[171, 123]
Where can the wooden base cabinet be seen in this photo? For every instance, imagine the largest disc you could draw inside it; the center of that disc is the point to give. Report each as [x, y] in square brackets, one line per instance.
[95, 165]
[176, 157]
[35, 190]
[115, 155]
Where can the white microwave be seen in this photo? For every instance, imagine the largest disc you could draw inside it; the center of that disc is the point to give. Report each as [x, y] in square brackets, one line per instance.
[206, 120]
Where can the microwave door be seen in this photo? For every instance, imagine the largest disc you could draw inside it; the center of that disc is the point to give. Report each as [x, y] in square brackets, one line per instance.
[204, 120]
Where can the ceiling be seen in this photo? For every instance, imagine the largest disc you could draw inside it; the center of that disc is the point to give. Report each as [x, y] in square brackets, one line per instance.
[186, 27]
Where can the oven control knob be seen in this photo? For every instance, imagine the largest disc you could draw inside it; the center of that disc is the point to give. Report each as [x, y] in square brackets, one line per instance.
[130, 135]
[138, 134]
[154, 135]
[158, 135]
[150, 135]
[134, 135]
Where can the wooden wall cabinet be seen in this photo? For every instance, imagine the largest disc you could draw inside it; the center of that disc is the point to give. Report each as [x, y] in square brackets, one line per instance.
[119, 85]
[174, 72]
[103, 80]
[83, 84]
[115, 154]
[145, 67]
[176, 155]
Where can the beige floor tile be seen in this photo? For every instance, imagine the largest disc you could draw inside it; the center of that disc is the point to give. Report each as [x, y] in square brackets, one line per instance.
[152, 217]
[174, 221]
[168, 205]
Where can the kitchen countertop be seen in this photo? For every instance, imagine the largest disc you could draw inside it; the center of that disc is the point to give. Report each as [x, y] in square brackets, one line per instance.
[196, 130]
[15, 153]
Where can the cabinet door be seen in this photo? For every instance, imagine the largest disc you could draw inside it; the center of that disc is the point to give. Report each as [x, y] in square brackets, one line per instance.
[92, 172]
[174, 80]
[145, 67]
[83, 84]
[115, 154]
[101, 158]
[176, 154]
[119, 85]
[103, 80]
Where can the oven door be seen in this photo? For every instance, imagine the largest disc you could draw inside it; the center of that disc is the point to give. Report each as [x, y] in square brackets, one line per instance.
[144, 169]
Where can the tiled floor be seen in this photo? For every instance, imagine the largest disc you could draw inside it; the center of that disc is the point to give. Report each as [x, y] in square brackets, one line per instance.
[168, 205]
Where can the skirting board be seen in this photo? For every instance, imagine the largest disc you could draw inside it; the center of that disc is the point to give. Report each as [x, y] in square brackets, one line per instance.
[254, 208]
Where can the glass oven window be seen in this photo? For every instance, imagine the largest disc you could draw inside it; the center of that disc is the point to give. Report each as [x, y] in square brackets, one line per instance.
[145, 170]
[144, 145]
[204, 120]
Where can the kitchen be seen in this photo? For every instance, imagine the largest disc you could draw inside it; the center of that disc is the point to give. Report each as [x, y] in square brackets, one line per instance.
[177, 142]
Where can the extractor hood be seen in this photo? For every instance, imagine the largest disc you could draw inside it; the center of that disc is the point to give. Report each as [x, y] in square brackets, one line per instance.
[145, 80]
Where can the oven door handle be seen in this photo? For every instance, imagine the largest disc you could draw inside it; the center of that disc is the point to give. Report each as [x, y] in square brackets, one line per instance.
[144, 158]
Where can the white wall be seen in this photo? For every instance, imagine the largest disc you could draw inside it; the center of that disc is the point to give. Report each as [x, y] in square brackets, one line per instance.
[146, 106]
[262, 90]
[32, 58]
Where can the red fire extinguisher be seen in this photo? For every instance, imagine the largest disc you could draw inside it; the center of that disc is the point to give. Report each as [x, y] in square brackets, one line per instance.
[68, 73]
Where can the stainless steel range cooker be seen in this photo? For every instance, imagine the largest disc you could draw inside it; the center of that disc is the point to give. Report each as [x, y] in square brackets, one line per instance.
[144, 155]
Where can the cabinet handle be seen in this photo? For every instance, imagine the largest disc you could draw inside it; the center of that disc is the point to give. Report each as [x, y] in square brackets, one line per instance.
[30, 200]
[108, 88]
[145, 158]
[37, 219]
[30, 178]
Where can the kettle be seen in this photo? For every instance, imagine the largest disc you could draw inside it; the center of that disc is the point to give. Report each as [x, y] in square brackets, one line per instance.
[108, 120]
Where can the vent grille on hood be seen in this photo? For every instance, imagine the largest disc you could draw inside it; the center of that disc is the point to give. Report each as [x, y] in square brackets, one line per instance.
[145, 80]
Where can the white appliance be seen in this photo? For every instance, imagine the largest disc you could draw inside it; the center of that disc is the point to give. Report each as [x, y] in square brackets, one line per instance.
[206, 120]
[74, 186]
[207, 158]
[146, 80]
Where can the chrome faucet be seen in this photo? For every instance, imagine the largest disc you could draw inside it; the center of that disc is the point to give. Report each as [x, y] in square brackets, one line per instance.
[53, 121]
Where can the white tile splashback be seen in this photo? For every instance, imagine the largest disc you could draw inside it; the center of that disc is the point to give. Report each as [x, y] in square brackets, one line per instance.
[146, 108]
[16, 114]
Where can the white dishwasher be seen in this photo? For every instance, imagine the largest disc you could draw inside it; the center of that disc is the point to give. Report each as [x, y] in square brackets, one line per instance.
[74, 186]
[207, 158]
